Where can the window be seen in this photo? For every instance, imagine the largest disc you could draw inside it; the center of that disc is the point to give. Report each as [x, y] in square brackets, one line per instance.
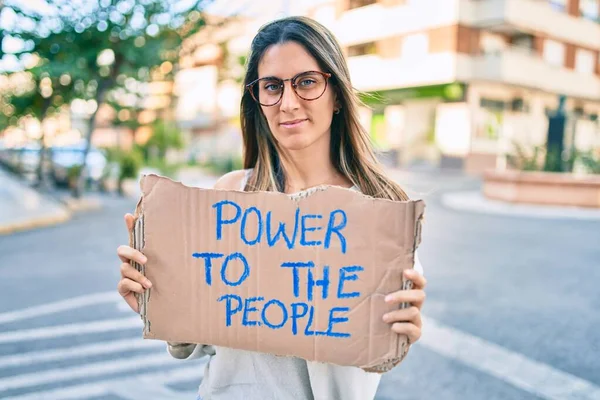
[523, 42]
[362, 49]
[584, 61]
[415, 46]
[490, 104]
[359, 3]
[491, 43]
[590, 9]
[554, 53]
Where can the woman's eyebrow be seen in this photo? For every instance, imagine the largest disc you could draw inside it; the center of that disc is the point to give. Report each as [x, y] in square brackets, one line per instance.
[270, 77]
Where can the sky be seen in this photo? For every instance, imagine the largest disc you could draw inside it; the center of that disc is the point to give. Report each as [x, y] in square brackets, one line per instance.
[249, 8]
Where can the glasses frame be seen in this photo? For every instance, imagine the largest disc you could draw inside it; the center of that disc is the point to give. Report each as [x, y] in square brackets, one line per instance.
[250, 86]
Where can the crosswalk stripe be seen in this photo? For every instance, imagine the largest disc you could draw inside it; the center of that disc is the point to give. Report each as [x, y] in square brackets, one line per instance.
[59, 306]
[105, 387]
[108, 325]
[532, 376]
[149, 390]
[59, 375]
[60, 354]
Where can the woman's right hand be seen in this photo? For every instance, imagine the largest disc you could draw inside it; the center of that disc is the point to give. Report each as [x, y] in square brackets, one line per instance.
[132, 281]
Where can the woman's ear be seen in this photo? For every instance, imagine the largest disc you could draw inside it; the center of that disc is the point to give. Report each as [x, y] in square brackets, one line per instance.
[337, 107]
[337, 104]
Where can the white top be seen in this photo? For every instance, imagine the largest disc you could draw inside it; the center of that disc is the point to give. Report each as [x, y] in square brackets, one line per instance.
[239, 374]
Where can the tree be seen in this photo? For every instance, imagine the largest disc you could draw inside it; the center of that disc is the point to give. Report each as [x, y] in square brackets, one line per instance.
[41, 90]
[105, 45]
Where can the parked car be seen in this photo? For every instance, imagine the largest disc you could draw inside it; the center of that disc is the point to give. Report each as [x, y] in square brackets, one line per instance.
[23, 160]
[66, 157]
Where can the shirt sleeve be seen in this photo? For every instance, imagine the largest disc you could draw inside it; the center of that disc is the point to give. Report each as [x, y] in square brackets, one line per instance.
[329, 381]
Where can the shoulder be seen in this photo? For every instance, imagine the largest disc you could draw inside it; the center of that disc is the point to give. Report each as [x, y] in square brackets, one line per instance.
[231, 180]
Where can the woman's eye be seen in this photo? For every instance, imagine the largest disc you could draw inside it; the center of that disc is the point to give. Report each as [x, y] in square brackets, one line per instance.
[272, 87]
[307, 82]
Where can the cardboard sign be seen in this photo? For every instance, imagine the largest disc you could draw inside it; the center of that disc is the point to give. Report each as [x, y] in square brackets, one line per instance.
[293, 275]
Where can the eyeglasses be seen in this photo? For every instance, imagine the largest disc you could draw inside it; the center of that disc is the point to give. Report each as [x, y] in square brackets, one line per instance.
[308, 85]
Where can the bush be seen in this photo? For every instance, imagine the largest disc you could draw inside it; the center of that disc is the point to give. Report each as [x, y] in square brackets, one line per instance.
[525, 160]
[130, 164]
[533, 159]
[73, 174]
[590, 161]
[224, 164]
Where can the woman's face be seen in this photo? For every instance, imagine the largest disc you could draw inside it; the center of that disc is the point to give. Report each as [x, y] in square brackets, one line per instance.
[296, 123]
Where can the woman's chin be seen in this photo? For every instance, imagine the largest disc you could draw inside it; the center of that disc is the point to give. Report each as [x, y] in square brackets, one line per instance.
[295, 143]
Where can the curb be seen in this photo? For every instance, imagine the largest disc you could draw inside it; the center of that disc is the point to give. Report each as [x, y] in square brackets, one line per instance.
[35, 223]
[475, 202]
[70, 207]
[82, 205]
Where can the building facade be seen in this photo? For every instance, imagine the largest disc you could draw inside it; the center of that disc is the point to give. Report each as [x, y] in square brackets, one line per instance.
[457, 82]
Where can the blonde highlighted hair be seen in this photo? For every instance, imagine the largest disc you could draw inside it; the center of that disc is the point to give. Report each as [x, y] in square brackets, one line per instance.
[350, 150]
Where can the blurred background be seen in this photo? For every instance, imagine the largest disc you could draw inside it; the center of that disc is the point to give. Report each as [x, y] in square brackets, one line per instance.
[487, 109]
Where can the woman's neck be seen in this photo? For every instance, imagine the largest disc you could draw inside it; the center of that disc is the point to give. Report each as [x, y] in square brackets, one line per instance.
[310, 167]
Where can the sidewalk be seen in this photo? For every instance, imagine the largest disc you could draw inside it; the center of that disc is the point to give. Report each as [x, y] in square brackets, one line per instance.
[22, 207]
[475, 202]
[462, 192]
[193, 177]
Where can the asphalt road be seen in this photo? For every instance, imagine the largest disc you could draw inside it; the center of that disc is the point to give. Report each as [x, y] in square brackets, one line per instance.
[513, 311]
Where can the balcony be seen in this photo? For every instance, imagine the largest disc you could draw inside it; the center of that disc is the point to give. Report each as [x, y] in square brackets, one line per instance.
[519, 67]
[530, 16]
[371, 72]
[378, 21]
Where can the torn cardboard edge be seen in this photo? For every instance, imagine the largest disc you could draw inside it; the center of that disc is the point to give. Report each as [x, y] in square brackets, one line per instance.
[137, 241]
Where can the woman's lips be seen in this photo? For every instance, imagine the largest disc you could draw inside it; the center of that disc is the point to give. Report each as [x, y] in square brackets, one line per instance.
[293, 124]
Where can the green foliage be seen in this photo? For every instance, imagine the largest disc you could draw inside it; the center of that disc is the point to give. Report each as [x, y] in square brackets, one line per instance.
[534, 159]
[73, 174]
[130, 163]
[104, 50]
[224, 164]
[165, 135]
[526, 160]
[590, 161]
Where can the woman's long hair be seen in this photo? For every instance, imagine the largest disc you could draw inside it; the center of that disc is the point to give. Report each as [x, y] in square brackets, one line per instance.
[350, 150]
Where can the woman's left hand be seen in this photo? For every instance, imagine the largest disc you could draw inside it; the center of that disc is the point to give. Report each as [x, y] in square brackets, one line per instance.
[407, 321]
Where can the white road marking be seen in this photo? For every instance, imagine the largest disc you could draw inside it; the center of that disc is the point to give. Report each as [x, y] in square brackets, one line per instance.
[106, 387]
[531, 376]
[81, 328]
[59, 375]
[59, 306]
[122, 306]
[59, 354]
[534, 377]
[148, 390]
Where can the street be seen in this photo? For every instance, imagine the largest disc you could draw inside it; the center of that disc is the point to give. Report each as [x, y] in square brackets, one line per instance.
[513, 310]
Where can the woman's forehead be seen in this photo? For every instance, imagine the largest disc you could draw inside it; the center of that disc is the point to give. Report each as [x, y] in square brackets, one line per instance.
[286, 60]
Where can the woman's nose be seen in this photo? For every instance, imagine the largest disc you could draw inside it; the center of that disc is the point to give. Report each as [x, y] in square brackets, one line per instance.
[289, 100]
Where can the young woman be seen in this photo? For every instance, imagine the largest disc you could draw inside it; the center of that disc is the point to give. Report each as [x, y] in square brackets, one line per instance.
[301, 129]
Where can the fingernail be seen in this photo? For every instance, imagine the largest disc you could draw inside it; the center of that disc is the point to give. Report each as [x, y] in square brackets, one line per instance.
[388, 298]
[144, 260]
[386, 318]
[147, 284]
[408, 272]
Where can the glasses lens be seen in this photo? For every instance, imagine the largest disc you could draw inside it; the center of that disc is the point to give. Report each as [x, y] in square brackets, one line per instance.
[310, 85]
[268, 91]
